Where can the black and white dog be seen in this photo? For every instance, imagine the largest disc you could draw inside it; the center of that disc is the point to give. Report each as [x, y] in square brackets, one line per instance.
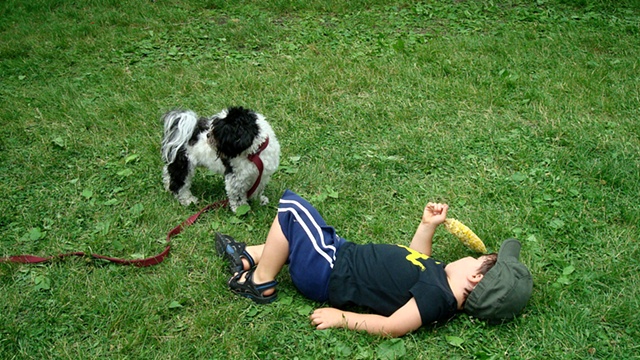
[227, 144]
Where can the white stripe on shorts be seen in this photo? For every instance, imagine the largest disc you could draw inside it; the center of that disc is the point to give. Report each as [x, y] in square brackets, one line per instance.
[294, 209]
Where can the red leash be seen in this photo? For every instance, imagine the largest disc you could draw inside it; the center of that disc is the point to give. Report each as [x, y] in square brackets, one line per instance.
[157, 259]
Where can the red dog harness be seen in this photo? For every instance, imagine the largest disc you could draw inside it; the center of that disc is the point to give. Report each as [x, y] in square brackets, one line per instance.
[255, 158]
[157, 259]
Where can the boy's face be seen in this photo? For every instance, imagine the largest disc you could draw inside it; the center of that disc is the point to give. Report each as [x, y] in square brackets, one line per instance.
[463, 276]
[467, 266]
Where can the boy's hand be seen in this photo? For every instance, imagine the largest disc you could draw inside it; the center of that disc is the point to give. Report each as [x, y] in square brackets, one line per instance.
[434, 214]
[325, 318]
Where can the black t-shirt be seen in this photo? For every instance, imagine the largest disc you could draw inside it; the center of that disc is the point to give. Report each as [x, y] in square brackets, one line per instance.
[384, 277]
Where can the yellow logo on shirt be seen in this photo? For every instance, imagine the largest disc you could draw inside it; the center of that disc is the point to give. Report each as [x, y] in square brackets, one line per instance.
[414, 256]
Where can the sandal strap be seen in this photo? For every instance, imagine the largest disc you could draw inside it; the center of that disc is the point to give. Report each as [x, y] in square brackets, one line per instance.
[250, 289]
[248, 280]
[264, 286]
[246, 255]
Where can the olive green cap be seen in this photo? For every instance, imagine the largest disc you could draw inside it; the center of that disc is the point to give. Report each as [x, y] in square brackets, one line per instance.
[504, 290]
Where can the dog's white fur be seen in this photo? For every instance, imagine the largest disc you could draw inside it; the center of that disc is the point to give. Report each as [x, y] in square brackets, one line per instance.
[190, 142]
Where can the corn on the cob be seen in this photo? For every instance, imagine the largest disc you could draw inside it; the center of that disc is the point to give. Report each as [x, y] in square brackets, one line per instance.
[466, 236]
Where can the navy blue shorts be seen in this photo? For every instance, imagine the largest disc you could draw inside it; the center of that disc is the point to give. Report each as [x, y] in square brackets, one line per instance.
[312, 245]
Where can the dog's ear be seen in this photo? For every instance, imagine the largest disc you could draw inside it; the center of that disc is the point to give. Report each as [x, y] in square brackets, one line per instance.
[235, 132]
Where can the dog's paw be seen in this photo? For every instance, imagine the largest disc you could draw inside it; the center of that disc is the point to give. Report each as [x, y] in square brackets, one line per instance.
[188, 200]
[234, 205]
[264, 200]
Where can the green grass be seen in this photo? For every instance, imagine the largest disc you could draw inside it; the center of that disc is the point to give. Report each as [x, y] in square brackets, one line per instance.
[524, 116]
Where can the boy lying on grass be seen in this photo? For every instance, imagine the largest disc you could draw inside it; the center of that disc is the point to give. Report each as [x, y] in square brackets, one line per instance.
[402, 286]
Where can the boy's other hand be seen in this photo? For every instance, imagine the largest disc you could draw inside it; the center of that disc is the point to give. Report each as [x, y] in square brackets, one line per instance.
[434, 214]
[325, 318]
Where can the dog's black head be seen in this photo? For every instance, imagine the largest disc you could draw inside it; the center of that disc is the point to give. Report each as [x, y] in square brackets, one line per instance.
[234, 133]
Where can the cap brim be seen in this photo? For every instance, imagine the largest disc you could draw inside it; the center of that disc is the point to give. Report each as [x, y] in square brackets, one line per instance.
[510, 249]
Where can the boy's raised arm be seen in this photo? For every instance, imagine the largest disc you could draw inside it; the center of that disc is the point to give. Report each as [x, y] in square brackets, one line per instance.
[433, 215]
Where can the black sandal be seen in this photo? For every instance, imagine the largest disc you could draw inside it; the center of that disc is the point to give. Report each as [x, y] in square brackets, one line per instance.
[233, 251]
[251, 290]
